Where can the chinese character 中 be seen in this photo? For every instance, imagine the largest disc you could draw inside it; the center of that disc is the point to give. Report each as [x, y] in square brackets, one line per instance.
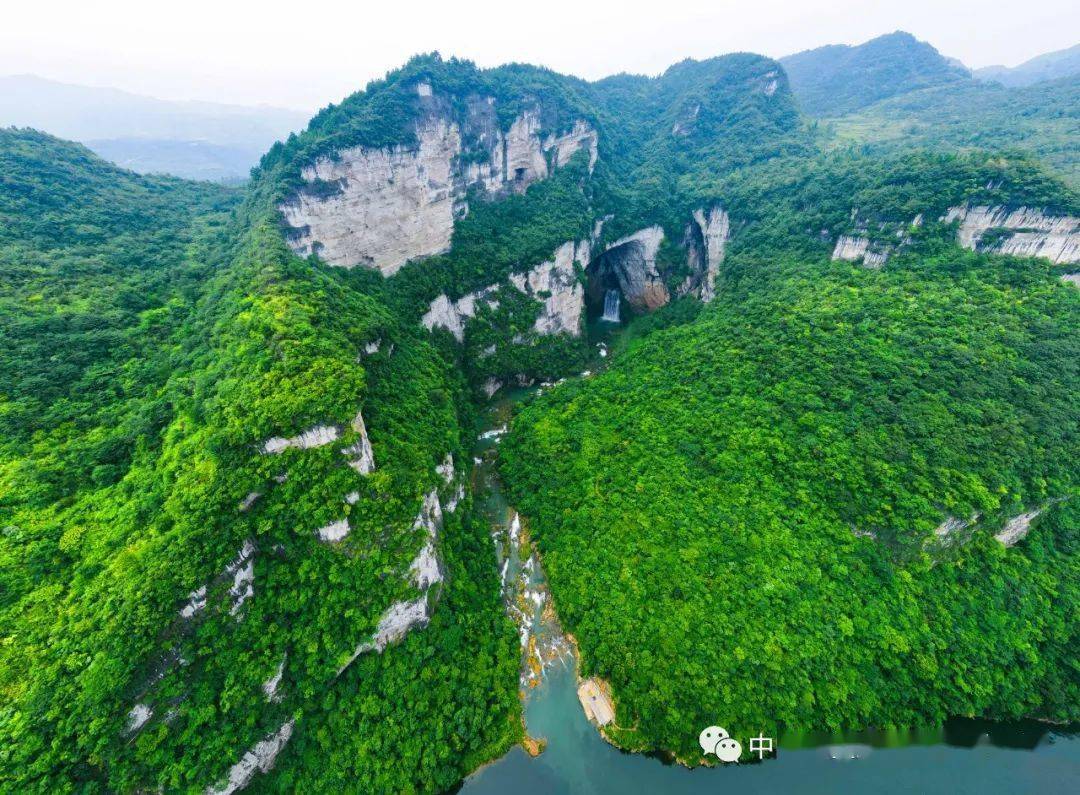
[761, 745]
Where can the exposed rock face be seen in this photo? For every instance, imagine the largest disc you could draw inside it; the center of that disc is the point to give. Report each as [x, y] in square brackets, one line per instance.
[243, 573]
[1071, 278]
[715, 229]
[137, 717]
[249, 500]
[630, 263]
[381, 207]
[360, 455]
[271, 685]
[259, 759]
[425, 572]
[196, 602]
[313, 437]
[456, 498]
[390, 205]
[525, 161]
[425, 567]
[555, 283]
[335, 531]
[850, 248]
[1017, 528]
[951, 526]
[1033, 233]
[875, 259]
[445, 470]
[853, 249]
[1014, 531]
[566, 146]
[451, 315]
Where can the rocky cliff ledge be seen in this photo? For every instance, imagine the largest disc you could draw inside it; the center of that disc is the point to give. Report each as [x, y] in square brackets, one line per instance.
[1022, 231]
[381, 207]
[554, 283]
[706, 246]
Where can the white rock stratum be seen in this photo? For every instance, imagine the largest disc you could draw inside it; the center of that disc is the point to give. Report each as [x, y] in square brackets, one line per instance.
[381, 207]
[452, 315]
[853, 248]
[554, 283]
[260, 758]
[1033, 232]
[715, 228]
[632, 261]
[425, 572]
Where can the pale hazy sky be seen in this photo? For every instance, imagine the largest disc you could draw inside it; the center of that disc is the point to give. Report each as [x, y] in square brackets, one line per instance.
[306, 53]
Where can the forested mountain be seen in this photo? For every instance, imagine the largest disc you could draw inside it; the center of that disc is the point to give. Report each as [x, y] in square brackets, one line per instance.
[763, 495]
[182, 411]
[838, 79]
[1049, 66]
[239, 541]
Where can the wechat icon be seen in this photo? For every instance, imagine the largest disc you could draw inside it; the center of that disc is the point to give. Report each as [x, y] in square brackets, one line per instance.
[715, 740]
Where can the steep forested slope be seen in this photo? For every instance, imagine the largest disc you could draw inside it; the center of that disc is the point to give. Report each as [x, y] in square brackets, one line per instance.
[738, 518]
[192, 572]
[99, 266]
[746, 519]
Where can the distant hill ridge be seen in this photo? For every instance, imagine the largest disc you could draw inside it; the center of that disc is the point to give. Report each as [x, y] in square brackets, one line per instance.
[196, 140]
[1048, 66]
[838, 79]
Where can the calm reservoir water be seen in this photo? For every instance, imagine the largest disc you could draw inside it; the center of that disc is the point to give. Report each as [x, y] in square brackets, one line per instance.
[964, 756]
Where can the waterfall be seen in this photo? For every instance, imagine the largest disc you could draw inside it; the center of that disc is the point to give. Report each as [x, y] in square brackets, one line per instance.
[611, 306]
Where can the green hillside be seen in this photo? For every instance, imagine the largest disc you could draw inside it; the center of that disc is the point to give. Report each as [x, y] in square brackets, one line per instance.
[1042, 119]
[737, 518]
[121, 498]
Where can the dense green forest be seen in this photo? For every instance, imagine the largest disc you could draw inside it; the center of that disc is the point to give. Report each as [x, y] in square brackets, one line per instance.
[177, 347]
[737, 518]
[219, 460]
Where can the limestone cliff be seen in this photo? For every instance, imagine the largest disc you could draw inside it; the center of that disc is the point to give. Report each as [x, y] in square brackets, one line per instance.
[854, 248]
[1023, 231]
[554, 283]
[629, 265]
[706, 248]
[381, 207]
[452, 315]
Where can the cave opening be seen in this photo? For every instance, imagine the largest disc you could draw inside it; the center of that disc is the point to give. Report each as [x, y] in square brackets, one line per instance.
[615, 278]
[602, 281]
